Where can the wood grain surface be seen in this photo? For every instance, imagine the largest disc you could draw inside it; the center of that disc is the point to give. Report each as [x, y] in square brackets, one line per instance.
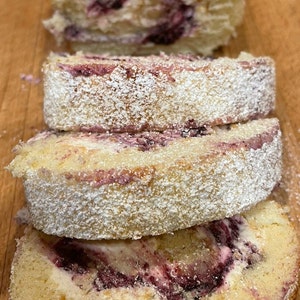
[270, 28]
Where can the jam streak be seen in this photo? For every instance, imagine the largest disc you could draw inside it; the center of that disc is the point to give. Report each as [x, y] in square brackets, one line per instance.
[253, 143]
[145, 141]
[101, 7]
[87, 70]
[69, 257]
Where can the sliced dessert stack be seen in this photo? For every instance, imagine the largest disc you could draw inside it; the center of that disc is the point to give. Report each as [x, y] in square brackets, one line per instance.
[145, 27]
[161, 194]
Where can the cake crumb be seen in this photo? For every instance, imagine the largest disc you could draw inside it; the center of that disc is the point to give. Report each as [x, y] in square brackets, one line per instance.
[30, 78]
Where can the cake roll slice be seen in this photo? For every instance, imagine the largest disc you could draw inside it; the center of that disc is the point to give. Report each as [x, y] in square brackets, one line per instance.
[116, 186]
[132, 94]
[254, 255]
[145, 27]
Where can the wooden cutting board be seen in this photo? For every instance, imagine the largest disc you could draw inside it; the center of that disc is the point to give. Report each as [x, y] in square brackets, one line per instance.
[270, 28]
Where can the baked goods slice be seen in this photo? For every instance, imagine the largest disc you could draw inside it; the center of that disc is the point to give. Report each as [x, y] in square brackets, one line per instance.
[250, 256]
[130, 94]
[115, 186]
[145, 27]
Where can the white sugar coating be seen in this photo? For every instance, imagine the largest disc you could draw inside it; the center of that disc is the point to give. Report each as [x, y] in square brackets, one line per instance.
[175, 194]
[206, 24]
[161, 92]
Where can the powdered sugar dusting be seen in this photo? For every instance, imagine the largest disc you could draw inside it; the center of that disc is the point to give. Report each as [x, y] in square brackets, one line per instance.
[188, 191]
[205, 92]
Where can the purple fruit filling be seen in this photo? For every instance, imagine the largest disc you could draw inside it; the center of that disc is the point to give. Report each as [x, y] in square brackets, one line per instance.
[70, 257]
[179, 20]
[160, 262]
[100, 7]
[72, 32]
[108, 278]
[87, 70]
[149, 140]
[227, 231]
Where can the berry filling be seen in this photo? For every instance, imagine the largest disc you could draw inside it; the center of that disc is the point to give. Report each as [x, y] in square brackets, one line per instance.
[191, 262]
[179, 20]
[72, 32]
[100, 7]
[147, 140]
